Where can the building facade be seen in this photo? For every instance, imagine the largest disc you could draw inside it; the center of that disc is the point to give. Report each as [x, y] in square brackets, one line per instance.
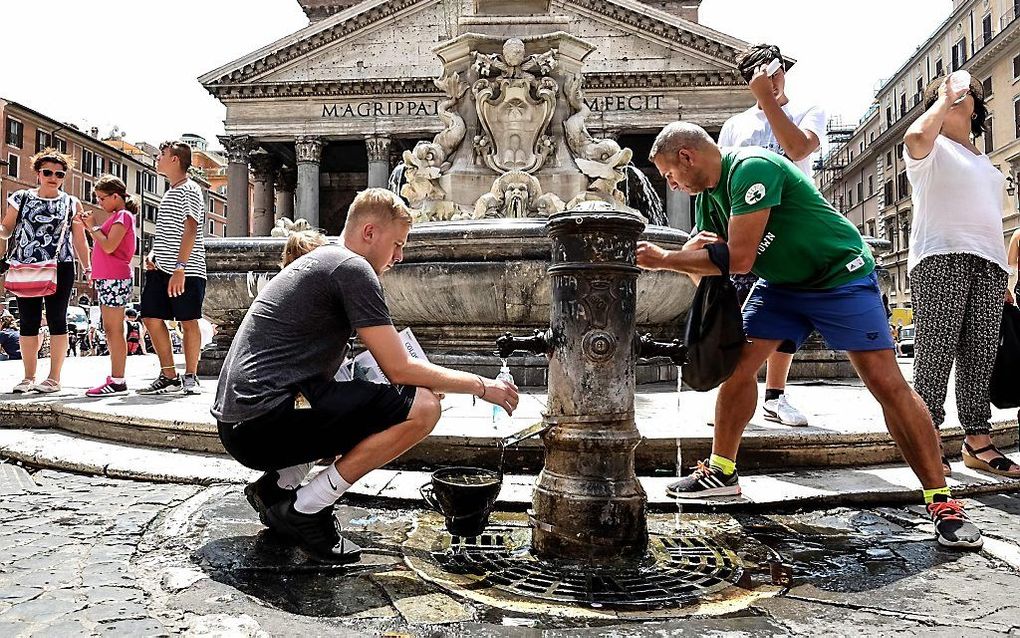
[329, 110]
[863, 174]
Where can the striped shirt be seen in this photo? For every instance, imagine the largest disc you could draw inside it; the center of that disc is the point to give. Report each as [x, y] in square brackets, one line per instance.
[179, 203]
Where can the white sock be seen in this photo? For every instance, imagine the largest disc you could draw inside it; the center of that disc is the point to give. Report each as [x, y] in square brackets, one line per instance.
[290, 478]
[321, 492]
[117, 379]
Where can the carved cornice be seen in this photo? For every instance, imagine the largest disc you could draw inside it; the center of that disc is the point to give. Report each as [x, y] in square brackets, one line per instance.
[315, 41]
[308, 149]
[425, 87]
[238, 147]
[606, 80]
[378, 149]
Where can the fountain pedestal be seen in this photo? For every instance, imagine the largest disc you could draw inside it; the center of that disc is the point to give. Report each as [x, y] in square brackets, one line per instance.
[588, 503]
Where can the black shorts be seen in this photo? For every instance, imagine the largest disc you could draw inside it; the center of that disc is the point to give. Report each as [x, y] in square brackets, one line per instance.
[343, 414]
[158, 304]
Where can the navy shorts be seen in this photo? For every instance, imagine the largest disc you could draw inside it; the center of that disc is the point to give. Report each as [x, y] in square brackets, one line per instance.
[850, 317]
[158, 304]
[342, 414]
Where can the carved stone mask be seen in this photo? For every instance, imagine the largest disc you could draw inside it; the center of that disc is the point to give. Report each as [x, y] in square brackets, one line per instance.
[517, 197]
[513, 52]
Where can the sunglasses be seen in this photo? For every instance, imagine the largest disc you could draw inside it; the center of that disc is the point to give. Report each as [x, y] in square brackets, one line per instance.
[49, 173]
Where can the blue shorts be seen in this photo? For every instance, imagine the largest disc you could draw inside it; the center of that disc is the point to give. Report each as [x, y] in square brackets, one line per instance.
[850, 317]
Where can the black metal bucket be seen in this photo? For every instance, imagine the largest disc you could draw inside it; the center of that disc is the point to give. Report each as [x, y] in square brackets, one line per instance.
[465, 496]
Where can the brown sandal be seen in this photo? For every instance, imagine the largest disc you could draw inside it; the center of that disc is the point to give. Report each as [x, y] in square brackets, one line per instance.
[999, 466]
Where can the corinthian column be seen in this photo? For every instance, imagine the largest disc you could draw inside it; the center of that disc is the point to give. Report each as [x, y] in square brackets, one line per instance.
[237, 148]
[309, 154]
[378, 161]
[264, 167]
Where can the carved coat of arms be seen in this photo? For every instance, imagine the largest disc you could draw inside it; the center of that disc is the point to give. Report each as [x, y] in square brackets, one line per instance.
[515, 99]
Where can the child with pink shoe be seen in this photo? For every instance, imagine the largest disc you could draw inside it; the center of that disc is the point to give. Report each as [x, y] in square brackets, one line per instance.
[113, 240]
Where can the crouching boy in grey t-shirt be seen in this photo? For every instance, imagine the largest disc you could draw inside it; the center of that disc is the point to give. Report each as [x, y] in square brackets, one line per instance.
[279, 408]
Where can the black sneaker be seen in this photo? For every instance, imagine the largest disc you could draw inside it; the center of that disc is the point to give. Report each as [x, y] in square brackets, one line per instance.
[266, 492]
[189, 383]
[318, 534]
[162, 385]
[705, 481]
[952, 527]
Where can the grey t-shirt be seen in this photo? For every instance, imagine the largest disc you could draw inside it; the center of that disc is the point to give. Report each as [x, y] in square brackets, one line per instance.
[297, 331]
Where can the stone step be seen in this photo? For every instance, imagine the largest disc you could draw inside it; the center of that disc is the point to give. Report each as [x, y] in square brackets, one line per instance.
[846, 426]
[888, 484]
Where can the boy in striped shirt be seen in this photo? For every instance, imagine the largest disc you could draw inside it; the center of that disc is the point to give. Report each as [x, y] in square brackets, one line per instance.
[175, 272]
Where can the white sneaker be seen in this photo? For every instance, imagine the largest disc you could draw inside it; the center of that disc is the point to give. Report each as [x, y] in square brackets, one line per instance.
[780, 411]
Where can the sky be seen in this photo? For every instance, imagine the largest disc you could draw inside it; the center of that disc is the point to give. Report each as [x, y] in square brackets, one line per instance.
[133, 64]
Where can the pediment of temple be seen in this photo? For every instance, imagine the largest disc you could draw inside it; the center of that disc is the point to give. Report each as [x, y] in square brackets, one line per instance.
[387, 46]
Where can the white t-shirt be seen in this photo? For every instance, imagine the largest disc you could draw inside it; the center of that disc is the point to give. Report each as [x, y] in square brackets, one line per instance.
[752, 128]
[957, 203]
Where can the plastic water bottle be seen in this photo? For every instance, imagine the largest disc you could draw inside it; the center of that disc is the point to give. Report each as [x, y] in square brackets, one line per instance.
[499, 414]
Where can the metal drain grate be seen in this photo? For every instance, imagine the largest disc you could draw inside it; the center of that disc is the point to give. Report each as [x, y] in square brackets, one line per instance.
[691, 568]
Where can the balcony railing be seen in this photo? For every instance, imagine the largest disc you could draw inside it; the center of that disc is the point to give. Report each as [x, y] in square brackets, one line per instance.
[1008, 16]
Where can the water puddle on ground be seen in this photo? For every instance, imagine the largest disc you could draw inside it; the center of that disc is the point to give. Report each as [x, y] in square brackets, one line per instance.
[773, 552]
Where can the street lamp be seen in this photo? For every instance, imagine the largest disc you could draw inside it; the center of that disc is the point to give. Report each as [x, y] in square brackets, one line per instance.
[1010, 185]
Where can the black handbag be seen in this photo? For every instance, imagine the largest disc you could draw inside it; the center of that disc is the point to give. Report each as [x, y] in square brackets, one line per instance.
[715, 329]
[1004, 389]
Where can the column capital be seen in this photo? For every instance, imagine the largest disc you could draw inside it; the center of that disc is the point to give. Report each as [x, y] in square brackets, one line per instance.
[378, 148]
[263, 165]
[308, 149]
[238, 147]
[286, 180]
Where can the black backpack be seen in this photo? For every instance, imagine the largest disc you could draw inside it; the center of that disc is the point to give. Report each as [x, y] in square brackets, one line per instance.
[1004, 389]
[715, 329]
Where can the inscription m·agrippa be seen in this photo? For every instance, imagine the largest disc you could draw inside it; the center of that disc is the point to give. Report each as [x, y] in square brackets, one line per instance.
[382, 108]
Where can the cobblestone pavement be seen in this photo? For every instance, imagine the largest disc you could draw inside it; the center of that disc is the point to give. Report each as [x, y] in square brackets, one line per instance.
[83, 556]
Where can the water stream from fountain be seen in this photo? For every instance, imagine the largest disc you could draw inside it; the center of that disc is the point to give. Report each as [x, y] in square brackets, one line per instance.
[642, 196]
[397, 181]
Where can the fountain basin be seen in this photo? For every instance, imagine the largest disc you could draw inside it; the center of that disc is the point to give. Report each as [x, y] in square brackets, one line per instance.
[461, 285]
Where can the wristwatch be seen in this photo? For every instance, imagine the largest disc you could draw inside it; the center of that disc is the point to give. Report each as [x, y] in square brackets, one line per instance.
[97, 228]
[181, 265]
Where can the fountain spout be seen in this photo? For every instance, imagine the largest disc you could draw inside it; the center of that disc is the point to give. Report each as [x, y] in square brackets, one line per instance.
[538, 343]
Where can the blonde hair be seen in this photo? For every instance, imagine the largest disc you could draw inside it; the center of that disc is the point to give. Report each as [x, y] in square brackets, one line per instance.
[52, 156]
[380, 204]
[301, 243]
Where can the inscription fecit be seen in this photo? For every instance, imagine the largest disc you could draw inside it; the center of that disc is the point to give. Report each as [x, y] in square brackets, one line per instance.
[381, 108]
[603, 103]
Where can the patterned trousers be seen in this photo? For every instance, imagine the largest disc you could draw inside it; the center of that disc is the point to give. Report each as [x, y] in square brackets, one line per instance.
[958, 300]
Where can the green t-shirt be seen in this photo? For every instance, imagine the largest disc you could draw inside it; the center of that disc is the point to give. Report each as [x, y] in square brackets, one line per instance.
[806, 244]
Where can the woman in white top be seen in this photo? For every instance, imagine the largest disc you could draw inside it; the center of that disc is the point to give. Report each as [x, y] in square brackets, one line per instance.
[957, 264]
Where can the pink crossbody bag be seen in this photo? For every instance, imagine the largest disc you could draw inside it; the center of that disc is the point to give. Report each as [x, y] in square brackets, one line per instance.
[38, 279]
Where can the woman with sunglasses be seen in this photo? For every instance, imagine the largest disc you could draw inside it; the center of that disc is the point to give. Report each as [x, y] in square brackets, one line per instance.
[36, 220]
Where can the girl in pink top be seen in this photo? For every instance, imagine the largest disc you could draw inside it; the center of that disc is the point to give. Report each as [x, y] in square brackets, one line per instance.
[113, 238]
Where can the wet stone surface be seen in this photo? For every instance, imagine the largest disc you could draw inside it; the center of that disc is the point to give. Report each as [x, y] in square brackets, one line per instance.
[85, 556]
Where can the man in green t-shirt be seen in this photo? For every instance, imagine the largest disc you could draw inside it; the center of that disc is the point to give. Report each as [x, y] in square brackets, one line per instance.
[818, 275]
